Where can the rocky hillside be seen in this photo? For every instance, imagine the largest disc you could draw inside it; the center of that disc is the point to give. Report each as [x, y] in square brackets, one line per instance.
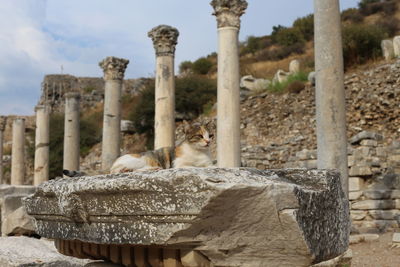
[283, 124]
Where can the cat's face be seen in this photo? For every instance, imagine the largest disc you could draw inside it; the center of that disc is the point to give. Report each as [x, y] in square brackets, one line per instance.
[198, 136]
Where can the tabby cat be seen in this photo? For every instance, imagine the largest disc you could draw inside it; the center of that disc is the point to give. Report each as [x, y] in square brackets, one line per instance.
[194, 151]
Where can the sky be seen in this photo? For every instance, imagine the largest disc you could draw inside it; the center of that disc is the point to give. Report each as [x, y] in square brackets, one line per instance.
[40, 37]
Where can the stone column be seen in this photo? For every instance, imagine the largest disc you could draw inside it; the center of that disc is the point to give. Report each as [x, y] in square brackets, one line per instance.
[2, 128]
[18, 152]
[114, 70]
[330, 97]
[42, 140]
[228, 14]
[164, 40]
[71, 132]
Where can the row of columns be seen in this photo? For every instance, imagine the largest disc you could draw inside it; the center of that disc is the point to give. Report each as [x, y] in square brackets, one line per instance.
[330, 101]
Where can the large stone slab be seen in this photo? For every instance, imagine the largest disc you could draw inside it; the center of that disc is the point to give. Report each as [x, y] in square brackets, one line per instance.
[24, 251]
[234, 217]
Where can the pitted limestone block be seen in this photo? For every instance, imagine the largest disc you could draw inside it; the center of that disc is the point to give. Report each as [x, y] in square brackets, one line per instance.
[233, 217]
[24, 251]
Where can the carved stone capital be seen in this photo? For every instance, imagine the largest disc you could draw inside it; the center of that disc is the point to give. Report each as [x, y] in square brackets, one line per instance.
[164, 39]
[228, 12]
[3, 122]
[114, 68]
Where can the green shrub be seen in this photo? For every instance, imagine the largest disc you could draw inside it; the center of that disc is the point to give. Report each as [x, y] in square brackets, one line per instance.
[280, 52]
[202, 66]
[90, 134]
[253, 44]
[185, 66]
[193, 95]
[278, 87]
[389, 25]
[352, 15]
[361, 43]
[306, 26]
[289, 37]
[369, 7]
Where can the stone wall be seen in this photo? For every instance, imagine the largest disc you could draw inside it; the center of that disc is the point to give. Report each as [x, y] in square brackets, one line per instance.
[54, 87]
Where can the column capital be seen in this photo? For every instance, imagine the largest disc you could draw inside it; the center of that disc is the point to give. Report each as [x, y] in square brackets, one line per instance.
[164, 39]
[114, 68]
[228, 12]
[3, 122]
[75, 95]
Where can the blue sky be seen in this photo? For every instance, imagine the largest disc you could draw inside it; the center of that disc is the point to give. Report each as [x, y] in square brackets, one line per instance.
[37, 37]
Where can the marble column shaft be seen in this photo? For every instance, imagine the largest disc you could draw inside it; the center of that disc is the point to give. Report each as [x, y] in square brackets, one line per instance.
[114, 69]
[330, 95]
[72, 132]
[228, 15]
[42, 140]
[2, 128]
[18, 152]
[164, 40]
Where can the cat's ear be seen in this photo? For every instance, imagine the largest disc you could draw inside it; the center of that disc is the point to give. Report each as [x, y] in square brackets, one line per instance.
[186, 126]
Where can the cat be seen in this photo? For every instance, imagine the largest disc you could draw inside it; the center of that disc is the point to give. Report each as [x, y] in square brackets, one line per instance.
[194, 151]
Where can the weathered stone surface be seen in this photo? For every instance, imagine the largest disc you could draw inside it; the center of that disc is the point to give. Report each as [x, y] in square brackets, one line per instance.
[235, 217]
[356, 184]
[368, 142]
[311, 78]
[358, 215]
[254, 84]
[384, 214]
[365, 135]
[355, 195]
[280, 76]
[24, 251]
[396, 46]
[340, 261]
[354, 239]
[360, 171]
[294, 66]
[373, 204]
[18, 223]
[387, 49]
[396, 238]
[379, 225]
[127, 126]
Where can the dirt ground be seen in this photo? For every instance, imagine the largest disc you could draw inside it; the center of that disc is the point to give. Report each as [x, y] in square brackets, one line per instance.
[378, 253]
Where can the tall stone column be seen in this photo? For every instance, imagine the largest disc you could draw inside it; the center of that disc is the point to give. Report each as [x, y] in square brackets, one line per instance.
[330, 96]
[71, 132]
[18, 152]
[2, 128]
[228, 13]
[42, 140]
[114, 70]
[164, 40]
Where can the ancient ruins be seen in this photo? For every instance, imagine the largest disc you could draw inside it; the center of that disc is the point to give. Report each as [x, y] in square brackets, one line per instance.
[240, 213]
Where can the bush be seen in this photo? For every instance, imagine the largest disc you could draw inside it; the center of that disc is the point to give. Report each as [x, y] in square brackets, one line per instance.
[352, 15]
[369, 7]
[296, 78]
[202, 66]
[281, 52]
[306, 26]
[389, 25]
[90, 135]
[361, 43]
[289, 37]
[193, 95]
[253, 44]
[185, 66]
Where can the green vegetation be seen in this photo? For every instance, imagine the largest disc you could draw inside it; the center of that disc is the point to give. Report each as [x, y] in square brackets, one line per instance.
[202, 66]
[369, 7]
[361, 43]
[90, 135]
[185, 66]
[280, 87]
[305, 26]
[194, 95]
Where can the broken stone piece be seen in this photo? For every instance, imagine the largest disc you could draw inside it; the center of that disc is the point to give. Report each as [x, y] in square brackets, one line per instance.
[232, 217]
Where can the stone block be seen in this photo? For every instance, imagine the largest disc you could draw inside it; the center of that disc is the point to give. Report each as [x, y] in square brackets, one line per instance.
[360, 171]
[381, 151]
[127, 126]
[365, 135]
[374, 205]
[387, 49]
[283, 217]
[16, 190]
[396, 46]
[355, 195]
[361, 153]
[394, 158]
[369, 142]
[377, 194]
[356, 183]
[379, 225]
[354, 239]
[384, 214]
[24, 251]
[396, 238]
[18, 223]
[351, 161]
[358, 215]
